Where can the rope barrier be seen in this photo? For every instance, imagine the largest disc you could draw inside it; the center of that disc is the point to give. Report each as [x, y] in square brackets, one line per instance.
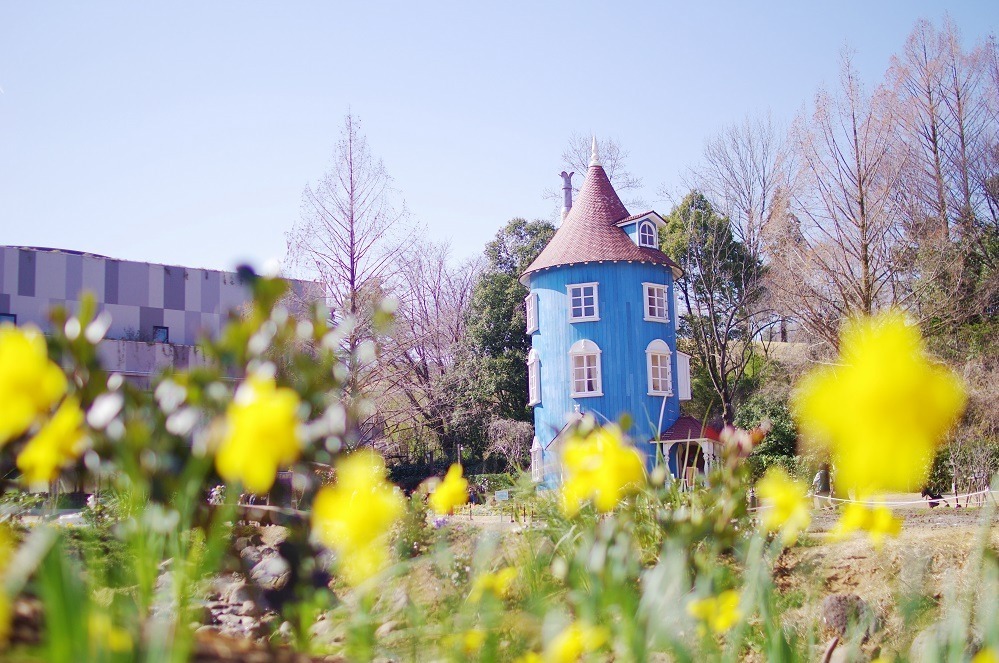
[895, 503]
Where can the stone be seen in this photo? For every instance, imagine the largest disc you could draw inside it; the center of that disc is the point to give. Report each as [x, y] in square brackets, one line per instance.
[251, 556]
[839, 611]
[272, 572]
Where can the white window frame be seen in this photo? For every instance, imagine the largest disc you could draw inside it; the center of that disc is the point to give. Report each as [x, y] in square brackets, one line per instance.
[596, 302]
[589, 354]
[646, 290]
[531, 308]
[658, 352]
[655, 235]
[537, 461]
[533, 378]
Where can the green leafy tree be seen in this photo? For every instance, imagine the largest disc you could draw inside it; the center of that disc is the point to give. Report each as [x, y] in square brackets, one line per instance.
[496, 324]
[718, 297]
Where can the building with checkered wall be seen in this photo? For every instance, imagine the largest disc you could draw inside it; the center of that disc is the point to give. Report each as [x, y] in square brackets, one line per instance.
[158, 312]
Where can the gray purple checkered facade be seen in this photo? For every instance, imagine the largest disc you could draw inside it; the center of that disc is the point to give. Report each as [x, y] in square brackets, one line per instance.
[142, 298]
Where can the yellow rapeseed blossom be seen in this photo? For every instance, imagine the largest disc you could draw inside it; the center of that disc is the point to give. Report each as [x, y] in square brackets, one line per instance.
[576, 640]
[786, 506]
[472, 641]
[58, 443]
[261, 434]
[878, 522]
[987, 655]
[882, 411]
[354, 516]
[30, 384]
[716, 614]
[450, 493]
[529, 657]
[600, 466]
[498, 584]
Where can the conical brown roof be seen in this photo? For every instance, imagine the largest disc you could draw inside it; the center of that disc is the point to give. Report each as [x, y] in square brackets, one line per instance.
[588, 233]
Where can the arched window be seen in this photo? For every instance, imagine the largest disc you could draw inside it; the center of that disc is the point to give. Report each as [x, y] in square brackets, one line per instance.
[537, 460]
[647, 235]
[533, 378]
[585, 364]
[660, 370]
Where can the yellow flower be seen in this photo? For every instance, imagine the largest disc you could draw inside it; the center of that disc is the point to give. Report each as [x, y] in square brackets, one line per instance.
[577, 639]
[716, 613]
[987, 655]
[787, 508]
[58, 443]
[599, 466]
[499, 584]
[354, 516]
[261, 434]
[878, 522]
[105, 636]
[529, 657]
[883, 410]
[450, 493]
[472, 641]
[30, 384]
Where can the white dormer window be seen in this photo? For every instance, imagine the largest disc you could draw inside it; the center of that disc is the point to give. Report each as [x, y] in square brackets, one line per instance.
[585, 362]
[533, 378]
[656, 302]
[647, 235]
[531, 304]
[660, 369]
[583, 304]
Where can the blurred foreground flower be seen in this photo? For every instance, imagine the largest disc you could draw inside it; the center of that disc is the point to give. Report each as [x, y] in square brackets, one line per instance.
[105, 636]
[58, 443]
[987, 655]
[576, 640]
[883, 409]
[450, 493]
[498, 584]
[354, 516]
[878, 522]
[600, 466]
[716, 614]
[30, 384]
[261, 434]
[786, 505]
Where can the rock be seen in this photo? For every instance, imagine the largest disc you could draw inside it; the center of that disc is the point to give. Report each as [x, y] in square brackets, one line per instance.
[247, 608]
[840, 611]
[251, 556]
[272, 572]
[386, 628]
[236, 593]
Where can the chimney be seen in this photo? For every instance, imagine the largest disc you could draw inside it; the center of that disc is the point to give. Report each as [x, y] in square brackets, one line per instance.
[566, 193]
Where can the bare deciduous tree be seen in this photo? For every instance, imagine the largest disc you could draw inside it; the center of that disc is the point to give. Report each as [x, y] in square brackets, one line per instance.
[427, 383]
[744, 171]
[510, 440]
[349, 237]
[613, 158]
[845, 260]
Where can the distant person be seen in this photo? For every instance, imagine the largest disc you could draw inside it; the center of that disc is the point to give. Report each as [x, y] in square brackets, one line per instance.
[822, 487]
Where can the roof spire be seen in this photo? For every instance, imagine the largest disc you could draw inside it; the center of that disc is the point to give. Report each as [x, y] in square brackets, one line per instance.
[594, 153]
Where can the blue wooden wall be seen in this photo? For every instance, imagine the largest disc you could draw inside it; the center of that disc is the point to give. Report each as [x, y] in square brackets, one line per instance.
[622, 335]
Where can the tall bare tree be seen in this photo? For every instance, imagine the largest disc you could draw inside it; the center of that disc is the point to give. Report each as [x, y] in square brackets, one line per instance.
[427, 386]
[744, 171]
[849, 212]
[350, 235]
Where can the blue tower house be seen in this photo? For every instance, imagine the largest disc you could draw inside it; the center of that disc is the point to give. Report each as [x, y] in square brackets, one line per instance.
[602, 321]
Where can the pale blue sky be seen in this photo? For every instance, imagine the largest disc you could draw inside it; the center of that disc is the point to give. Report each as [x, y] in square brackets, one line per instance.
[184, 132]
